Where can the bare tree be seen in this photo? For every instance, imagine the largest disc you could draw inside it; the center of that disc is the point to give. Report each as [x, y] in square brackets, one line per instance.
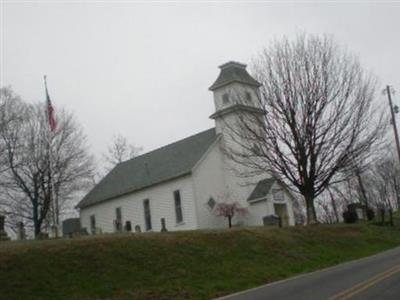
[384, 183]
[41, 164]
[228, 210]
[390, 173]
[316, 116]
[119, 151]
[11, 109]
[325, 213]
[332, 203]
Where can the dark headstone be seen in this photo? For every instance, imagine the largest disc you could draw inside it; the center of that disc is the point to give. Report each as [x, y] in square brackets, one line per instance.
[3, 233]
[271, 220]
[71, 227]
[359, 208]
[163, 227]
[43, 236]
[2, 219]
[137, 229]
[128, 226]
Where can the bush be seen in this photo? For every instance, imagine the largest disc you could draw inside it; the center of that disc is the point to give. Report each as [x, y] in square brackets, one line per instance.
[350, 216]
[370, 214]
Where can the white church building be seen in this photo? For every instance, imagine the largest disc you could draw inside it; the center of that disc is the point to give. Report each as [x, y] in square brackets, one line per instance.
[183, 182]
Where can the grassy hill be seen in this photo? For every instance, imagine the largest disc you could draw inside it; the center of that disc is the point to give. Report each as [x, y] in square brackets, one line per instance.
[185, 265]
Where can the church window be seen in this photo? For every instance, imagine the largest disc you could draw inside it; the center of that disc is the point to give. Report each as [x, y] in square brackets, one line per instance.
[147, 214]
[118, 219]
[93, 224]
[178, 207]
[225, 98]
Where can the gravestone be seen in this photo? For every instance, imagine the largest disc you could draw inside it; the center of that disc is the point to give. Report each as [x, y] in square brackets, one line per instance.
[128, 226]
[137, 229]
[54, 231]
[3, 233]
[163, 227]
[71, 227]
[43, 236]
[271, 220]
[21, 234]
[2, 219]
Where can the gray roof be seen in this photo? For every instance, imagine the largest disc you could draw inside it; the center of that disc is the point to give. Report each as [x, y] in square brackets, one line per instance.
[237, 107]
[233, 72]
[262, 189]
[168, 162]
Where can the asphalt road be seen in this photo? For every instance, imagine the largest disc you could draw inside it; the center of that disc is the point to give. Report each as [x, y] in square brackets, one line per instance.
[374, 277]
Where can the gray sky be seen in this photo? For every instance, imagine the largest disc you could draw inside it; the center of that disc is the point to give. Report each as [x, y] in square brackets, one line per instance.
[143, 69]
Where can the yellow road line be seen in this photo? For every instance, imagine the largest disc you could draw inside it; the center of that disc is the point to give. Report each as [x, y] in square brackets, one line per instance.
[358, 288]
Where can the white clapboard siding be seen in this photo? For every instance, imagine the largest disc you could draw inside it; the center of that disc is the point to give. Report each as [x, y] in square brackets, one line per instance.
[161, 205]
[209, 181]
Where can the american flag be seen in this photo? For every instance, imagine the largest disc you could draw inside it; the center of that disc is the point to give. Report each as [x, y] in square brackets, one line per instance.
[50, 110]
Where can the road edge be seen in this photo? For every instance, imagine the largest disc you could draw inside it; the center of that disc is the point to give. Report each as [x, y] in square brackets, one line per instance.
[301, 275]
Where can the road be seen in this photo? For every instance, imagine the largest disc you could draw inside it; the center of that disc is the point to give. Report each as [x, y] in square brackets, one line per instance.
[374, 277]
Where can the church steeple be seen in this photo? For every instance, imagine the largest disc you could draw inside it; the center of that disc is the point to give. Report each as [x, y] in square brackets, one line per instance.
[233, 72]
[235, 91]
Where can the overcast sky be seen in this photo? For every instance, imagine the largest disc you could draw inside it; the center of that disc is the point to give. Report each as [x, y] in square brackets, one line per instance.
[143, 70]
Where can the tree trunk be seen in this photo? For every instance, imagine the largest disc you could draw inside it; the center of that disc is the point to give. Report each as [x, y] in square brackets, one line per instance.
[334, 206]
[363, 194]
[230, 221]
[396, 190]
[311, 214]
[36, 225]
[391, 216]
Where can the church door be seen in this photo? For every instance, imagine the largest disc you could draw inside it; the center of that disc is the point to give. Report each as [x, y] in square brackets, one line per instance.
[281, 211]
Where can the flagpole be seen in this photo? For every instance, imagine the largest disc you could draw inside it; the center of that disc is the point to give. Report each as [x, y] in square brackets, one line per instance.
[53, 198]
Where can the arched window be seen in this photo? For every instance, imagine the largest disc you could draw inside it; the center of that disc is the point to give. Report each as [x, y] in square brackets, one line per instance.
[225, 98]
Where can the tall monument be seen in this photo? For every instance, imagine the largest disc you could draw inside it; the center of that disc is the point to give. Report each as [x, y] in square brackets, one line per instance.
[3, 233]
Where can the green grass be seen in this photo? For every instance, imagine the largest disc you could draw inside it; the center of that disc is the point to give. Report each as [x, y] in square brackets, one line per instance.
[396, 217]
[185, 265]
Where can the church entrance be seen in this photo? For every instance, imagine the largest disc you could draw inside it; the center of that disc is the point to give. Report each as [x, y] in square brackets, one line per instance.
[281, 211]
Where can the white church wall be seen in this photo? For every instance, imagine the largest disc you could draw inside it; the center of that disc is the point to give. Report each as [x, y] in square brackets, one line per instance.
[162, 205]
[240, 179]
[209, 182]
[257, 211]
[214, 178]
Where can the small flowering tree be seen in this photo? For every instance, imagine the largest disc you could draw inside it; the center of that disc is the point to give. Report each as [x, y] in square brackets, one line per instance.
[229, 210]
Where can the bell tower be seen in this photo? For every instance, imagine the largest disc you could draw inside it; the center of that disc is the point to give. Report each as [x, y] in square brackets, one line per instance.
[236, 98]
[235, 92]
